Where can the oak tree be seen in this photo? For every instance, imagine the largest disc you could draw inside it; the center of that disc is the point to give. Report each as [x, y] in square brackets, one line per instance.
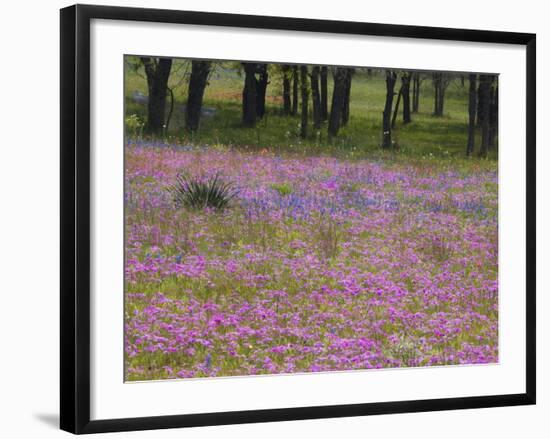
[157, 71]
[197, 83]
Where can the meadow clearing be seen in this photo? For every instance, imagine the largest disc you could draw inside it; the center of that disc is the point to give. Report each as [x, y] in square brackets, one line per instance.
[330, 255]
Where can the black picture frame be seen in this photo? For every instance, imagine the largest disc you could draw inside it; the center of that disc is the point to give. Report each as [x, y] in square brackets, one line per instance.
[75, 217]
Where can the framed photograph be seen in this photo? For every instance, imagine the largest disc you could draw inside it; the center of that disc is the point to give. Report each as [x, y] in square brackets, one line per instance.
[274, 218]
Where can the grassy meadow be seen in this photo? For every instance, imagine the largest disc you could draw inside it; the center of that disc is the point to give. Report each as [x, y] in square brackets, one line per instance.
[330, 254]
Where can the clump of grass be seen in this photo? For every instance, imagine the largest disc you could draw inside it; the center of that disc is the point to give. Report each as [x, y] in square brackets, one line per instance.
[197, 193]
[438, 248]
[405, 351]
[328, 238]
[351, 187]
[282, 188]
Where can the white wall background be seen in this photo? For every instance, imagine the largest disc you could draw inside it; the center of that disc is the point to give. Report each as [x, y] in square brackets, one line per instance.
[29, 249]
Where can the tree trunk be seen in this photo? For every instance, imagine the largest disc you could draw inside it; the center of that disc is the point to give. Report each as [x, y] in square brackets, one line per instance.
[324, 93]
[197, 83]
[305, 100]
[286, 89]
[416, 92]
[396, 110]
[441, 99]
[347, 96]
[437, 93]
[261, 87]
[406, 83]
[479, 108]
[391, 77]
[157, 71]
[493, 114]
[484, 94]
[249, 95]
[440, 81]
[472, 107]
[316, 97]
[171, 110]
[294, 110]
[338, 96]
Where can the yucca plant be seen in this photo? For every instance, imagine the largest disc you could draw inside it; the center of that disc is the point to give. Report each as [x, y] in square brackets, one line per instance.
[197, 193]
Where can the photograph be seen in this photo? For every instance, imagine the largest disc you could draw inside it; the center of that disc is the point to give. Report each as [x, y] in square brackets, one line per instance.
[270, 220]
[297, 218]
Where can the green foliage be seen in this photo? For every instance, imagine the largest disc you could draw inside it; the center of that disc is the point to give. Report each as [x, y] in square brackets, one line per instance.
[134, 125]
[196, 193]
[282, 188]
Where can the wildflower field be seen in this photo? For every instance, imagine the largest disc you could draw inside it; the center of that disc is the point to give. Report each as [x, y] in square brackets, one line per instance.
[319, 263]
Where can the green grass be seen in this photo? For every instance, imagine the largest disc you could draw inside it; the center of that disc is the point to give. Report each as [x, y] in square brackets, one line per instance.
[427, 135]
[282, 188]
